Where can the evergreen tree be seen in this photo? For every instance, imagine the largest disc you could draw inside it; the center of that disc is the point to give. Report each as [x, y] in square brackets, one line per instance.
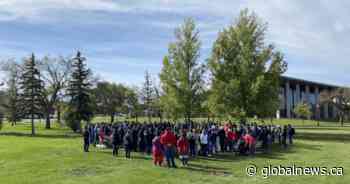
[182, 74]
[148, 95]
[31, 90]
[80, 107]
[245, 71]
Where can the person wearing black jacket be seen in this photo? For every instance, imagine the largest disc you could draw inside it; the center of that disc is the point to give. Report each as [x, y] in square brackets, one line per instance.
[86, 136]
[290, 132]
[284, 136]
[222, 137]
[116, 141]
[127, 141]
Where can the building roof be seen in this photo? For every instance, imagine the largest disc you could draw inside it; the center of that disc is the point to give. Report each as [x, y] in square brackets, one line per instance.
[323, 85]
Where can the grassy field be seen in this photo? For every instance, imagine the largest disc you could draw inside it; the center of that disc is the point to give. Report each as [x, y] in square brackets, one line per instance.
[55, 156]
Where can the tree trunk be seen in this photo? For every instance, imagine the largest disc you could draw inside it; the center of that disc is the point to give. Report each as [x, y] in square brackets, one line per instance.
[342, 120]
[48, 121]
[112, 117]
[59, 114]
[33, 127]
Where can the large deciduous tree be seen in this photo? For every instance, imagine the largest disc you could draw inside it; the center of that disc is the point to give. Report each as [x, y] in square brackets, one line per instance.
[132, 102]
[11, 101]
[80, 107]
[31, 90]
[182, 73]
[340, 99]
[245, 70]
[109, 98]
[55, 75]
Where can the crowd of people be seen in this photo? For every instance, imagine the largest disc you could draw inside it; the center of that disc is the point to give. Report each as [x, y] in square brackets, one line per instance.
[186, 140]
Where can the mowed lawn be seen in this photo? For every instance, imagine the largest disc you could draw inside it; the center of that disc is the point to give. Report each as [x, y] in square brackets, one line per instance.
[55, 156]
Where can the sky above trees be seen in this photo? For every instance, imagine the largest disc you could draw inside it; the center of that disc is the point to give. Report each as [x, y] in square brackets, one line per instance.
[123, 38]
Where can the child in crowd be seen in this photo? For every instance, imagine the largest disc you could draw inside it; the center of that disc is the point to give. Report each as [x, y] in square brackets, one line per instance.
[183, 149]
[157, 151]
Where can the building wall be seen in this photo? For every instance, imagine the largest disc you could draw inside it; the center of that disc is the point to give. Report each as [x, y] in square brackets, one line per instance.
[295, 91]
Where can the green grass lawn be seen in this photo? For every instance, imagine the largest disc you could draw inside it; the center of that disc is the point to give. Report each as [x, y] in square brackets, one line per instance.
[55, 156]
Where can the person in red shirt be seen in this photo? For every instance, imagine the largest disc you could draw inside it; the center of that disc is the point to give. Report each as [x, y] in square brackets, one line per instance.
[231, 138]
[157, 151]
[249, 142]
[168, 140]
[183, 149]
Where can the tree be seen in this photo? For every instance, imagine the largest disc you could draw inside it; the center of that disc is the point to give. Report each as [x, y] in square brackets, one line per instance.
[148, 95]
[31, 90]
[340, 99]
[80, 107]
[182, 74]
[2, 98]
[11, 101]
[245, 71]
[132, 102]
[55, 74]
[303, 110]
[157, 105]
[110, 98]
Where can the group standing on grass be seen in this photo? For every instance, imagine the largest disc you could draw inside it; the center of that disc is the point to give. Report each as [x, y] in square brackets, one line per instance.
[186, 140]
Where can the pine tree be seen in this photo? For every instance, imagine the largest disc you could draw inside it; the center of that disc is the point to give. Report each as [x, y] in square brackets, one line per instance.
[80, 106]
[147, 94]
[31, 90]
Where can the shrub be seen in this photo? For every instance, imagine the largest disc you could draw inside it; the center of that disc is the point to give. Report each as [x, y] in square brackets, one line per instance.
[72, 121]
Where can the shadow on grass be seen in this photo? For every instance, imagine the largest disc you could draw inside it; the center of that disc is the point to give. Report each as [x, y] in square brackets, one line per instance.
[320, 136]
[55, 136]
[277, 153]
[212, 170]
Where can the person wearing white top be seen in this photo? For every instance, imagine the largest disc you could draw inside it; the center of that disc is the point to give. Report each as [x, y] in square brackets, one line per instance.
[204, 143]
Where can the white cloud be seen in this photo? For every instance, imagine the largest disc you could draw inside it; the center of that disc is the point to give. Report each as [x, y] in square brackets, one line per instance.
[313, 32]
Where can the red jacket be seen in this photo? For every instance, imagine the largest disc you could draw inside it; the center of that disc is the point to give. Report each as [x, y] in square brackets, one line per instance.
[249, 140]
[232, 136]
[168, 138]
[183, 146]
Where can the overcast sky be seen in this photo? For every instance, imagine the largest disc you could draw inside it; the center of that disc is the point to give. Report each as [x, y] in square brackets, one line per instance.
[123, 38]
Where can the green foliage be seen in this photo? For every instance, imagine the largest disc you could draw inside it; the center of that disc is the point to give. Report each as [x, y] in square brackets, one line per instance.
[340, 99]
[245, 71]
[10, 101]
[182, 75]
[109, 98]
[148, 95]
[72, 120]
[303, 110]
[1, 120]
[31, 90]
[132, 102]
[80, 107]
